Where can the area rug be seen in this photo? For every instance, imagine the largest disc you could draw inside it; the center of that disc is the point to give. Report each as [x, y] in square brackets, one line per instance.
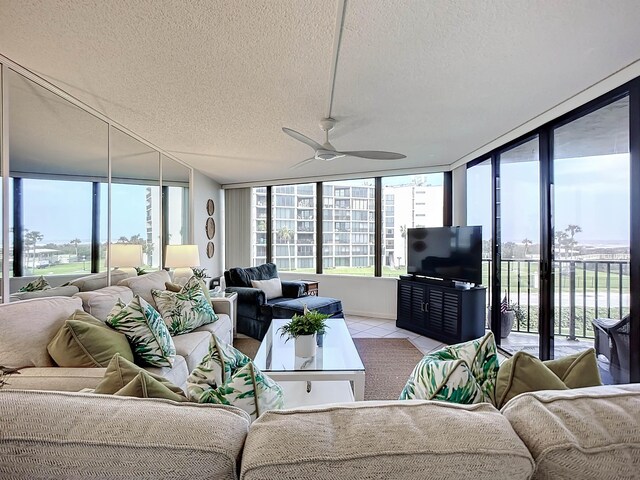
[388, 362]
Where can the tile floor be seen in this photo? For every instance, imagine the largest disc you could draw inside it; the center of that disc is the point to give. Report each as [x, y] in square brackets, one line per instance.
[366, 327]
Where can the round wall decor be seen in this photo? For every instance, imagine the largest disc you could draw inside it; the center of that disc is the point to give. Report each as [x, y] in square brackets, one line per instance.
[211, 207]
[210, 228]
[210, 249]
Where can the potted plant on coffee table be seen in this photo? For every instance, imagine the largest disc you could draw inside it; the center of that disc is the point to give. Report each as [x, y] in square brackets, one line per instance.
[304, 329]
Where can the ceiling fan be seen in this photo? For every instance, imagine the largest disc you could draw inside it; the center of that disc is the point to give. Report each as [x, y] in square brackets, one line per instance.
[328, 152]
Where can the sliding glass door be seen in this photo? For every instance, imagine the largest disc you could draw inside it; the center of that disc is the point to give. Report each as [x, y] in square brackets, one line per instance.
[520, 246]
[591, 248]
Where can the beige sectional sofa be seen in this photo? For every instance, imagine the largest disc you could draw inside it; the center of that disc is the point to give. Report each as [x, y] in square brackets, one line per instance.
[587, 434]
[28, 326]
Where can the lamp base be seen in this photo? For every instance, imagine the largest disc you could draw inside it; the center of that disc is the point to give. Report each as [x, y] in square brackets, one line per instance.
[181, 275]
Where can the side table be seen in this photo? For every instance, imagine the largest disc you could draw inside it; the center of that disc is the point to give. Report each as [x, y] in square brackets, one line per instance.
[311, 287]
[227, 304]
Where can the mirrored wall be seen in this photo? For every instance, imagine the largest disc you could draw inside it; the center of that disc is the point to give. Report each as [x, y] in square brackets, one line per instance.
[77, 183]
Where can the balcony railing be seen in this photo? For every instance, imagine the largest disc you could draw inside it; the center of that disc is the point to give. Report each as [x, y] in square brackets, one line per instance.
[583, 290]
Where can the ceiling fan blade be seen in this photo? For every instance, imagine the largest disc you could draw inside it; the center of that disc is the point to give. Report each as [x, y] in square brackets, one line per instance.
[302, 138]
[375, 155]
[303, 162]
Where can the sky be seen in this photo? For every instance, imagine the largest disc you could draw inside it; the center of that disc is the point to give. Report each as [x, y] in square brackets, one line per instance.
[61, 211]
[592, 192]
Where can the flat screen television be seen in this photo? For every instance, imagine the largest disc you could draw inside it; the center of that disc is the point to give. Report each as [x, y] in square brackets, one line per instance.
[447, 253]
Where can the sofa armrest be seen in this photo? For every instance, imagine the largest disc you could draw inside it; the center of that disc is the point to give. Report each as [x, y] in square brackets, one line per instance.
[292, 289]
[249, 295]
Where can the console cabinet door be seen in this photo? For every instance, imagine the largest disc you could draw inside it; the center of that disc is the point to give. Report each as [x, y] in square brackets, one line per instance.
[412, 305]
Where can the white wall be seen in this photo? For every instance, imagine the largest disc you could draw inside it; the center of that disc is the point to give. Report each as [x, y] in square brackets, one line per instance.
[205, 188]
[459, 186]
[366, 296]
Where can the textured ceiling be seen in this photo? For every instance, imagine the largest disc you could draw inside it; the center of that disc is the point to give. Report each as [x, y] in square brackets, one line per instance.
[213, 82]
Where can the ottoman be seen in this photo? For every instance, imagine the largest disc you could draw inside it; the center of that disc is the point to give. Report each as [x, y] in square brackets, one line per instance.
[288, 307]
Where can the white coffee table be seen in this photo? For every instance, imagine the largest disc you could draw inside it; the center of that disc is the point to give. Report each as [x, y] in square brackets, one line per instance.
[324, 378]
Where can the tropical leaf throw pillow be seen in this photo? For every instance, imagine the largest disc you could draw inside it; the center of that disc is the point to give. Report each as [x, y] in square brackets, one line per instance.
[146, 331]
[35, 285]
[185, 310]
[463, 373]
[227, 376]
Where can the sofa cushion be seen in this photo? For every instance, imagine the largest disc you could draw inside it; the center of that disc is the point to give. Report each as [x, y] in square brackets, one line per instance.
[400, 440]
[100, 302]
[241, 277]
[28, 326]
[68, 435]
[121, 371]
[272, 287]
[84, 341]
[143, 284]
[144, 385]
[146, 331]
[99, 280]
[227, 376]
[177, 374]
[185, 310]
[223, 328]
[64, 379]
[462, 373]
[525, 373]
[39, 283]
[193, 347]
[586, 433]
[67, 291]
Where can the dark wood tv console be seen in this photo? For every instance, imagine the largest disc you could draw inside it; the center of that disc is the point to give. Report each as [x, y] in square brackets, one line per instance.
[439, 310]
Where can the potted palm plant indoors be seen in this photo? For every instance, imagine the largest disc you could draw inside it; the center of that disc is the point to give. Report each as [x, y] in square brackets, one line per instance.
[304, 329]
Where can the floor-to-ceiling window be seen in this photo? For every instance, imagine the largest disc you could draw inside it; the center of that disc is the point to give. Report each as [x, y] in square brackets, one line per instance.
[560, 200]
[520, 245]
[591, 171]
[479, 212]
[349, 236]
[408, 201]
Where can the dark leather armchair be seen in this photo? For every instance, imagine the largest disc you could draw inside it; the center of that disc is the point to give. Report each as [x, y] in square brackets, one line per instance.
[254, 310]
[612, 341]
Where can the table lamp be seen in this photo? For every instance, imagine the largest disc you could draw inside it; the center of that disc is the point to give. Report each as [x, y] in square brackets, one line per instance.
[182, 258]
[125, 255]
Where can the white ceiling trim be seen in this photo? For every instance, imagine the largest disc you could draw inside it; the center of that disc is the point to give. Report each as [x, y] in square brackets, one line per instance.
[613, 81]
[344, 176]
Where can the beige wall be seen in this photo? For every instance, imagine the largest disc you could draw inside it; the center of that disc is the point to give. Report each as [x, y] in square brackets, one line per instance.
[203, 189]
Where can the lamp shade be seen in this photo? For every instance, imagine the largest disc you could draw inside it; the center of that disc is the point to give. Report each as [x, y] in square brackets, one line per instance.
[125, 255]
[181, 256]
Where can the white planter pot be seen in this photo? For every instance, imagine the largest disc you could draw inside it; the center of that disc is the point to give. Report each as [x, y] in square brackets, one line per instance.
[305, 346]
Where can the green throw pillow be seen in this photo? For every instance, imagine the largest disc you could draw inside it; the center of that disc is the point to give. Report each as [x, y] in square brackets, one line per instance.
[144, 385]
[227, 376]
[462, 373]
[121, 372]
[185, 310]
[146, 331]
[85, 341]
[525, 373]
[38, 284]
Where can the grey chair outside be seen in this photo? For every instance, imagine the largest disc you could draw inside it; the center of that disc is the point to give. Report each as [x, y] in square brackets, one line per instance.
[612, 341]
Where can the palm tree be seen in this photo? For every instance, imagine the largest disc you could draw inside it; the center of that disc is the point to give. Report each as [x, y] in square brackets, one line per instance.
[33, 238]
[75, 242]
[403, 234]
[561, 240]
[572, 230]
[526, 242]
[285, 235]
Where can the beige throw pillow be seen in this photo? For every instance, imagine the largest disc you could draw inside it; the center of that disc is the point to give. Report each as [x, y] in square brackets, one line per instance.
[272, 288]
[84, 341]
